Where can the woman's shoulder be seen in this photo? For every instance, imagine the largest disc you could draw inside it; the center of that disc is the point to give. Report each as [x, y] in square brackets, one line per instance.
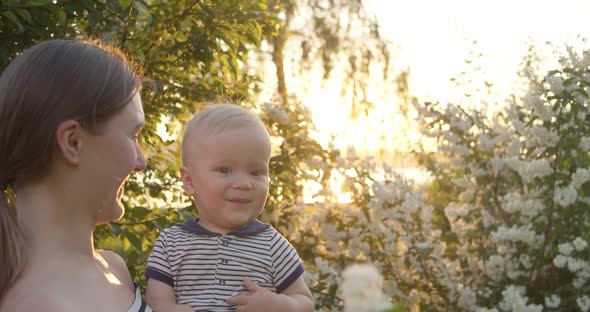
[117, 266]
[57, 289]
[20, 299]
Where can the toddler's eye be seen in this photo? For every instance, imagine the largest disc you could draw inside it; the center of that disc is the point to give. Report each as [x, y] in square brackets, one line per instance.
[224, 170]
[255, 173]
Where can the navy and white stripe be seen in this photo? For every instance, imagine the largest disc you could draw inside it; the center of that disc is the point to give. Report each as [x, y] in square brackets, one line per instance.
[138, 304]
[206, 268]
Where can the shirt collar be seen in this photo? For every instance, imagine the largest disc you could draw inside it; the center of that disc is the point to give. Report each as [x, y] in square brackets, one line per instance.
[252, 228]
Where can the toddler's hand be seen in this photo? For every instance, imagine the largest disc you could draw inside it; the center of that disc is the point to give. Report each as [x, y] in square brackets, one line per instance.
[260, 299]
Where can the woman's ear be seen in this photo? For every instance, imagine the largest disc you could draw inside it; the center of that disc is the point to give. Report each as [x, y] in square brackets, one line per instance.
[69, 141]
[187, 181]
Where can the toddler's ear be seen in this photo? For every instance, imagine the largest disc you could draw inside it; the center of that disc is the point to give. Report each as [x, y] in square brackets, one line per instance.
[187, 181]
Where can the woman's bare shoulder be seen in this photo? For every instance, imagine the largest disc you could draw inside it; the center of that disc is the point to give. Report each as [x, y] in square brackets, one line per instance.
[19, 298]
[117, 266]
[52, 290]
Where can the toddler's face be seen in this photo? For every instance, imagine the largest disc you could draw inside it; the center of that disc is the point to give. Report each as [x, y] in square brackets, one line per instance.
[227, 174]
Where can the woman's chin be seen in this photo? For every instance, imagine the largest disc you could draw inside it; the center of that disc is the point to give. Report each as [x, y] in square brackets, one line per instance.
[118, 210]
[111, 213]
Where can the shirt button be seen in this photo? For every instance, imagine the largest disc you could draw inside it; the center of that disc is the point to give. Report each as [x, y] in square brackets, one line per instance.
[225, 243]
[221, 282]
[223, 261]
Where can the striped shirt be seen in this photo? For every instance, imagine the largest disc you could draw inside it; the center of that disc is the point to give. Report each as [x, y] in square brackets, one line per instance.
[206, 268]
[138, 304]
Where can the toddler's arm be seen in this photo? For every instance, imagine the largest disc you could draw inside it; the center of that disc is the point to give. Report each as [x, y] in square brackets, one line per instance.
[296, 298]
[160, 297]
[299, 297]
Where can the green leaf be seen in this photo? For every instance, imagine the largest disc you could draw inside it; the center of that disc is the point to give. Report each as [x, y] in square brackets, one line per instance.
[184, 214]
[25, 15]
[139, 212]
[12, 17]
[116, 228]
[141, 7]
[38, 3]
[143, 15]
[109, 36]
[61, 18]
[133, 239]
[124, 3]
[398, 307]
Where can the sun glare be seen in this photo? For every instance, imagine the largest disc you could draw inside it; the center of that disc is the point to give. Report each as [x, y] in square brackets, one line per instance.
[312, 191]
[452, 39]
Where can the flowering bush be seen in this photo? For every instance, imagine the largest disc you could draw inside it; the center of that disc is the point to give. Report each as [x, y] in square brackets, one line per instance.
[362, 289]
[503, 225]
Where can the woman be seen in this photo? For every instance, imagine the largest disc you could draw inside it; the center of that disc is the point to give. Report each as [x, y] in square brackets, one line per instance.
[70, 113]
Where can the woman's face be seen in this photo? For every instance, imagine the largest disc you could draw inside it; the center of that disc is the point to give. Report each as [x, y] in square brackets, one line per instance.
[113, 154]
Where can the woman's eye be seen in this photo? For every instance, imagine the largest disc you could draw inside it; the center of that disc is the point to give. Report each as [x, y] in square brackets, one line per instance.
[135, 135]
[223, 170]
[255, 173]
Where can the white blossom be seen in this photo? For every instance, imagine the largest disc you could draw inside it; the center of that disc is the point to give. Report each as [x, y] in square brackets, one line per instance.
[362, 289]
[565, 196]
[581, 176]
[543, 137]
[555, 84]
[513, 203]
[457, 149]
[538, 105]
[451, 137]
[585, 59]
[476, 170]
[514, 163]
[529, 170]
[486, 218]
[578, 282]
[560, 261]
[497, 164]
[325, 268]
[552, 301]
[495, 267]
[575, 265]
[513, 299]
[277, 114]
[463, 182]
[583, 303]
[514, 234]
[518, 125]
[466, 298]
[526, 262]
[456, 210]
[565, 249]
[538, 168]
[579, 244]
[513, 149]
[463, 125]
[486, 143]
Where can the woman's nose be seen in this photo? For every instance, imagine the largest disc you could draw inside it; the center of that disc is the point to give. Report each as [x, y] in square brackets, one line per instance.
[140, 162]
